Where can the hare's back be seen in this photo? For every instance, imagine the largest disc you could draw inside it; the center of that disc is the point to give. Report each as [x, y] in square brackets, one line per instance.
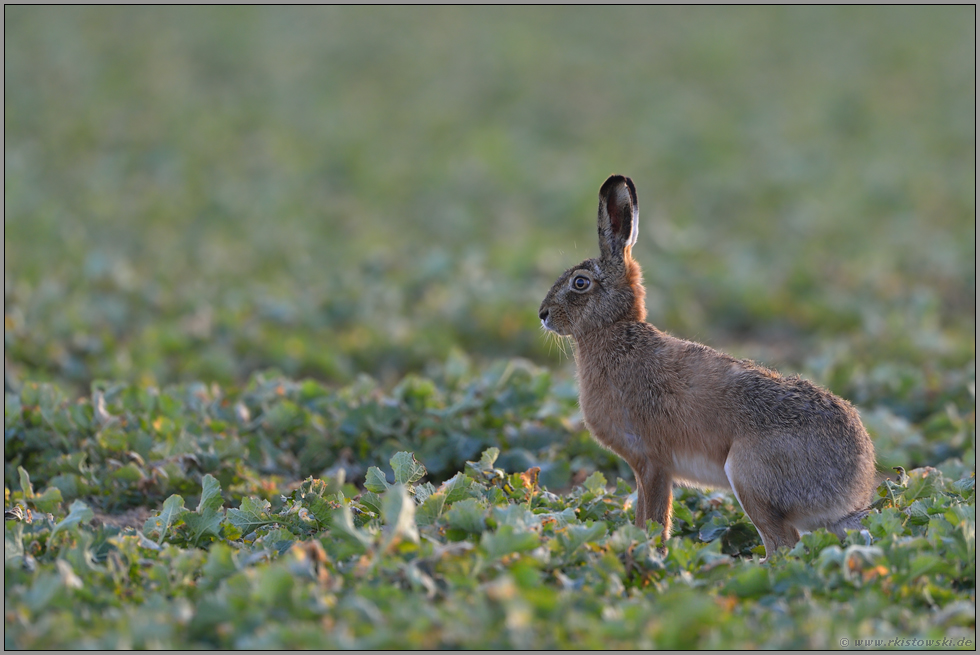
[771, 402]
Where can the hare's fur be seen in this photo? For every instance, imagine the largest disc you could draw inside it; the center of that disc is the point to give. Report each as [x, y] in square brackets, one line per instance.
[796, 456]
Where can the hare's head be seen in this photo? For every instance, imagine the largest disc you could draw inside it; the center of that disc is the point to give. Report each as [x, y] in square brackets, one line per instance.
[602, 291]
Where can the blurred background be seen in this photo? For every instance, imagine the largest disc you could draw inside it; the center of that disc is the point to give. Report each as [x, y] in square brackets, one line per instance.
[200, 193]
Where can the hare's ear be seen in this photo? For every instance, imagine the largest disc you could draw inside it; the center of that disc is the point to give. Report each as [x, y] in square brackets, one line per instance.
[618, 217]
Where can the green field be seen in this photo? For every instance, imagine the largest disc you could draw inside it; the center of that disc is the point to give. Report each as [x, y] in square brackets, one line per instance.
[251, 255]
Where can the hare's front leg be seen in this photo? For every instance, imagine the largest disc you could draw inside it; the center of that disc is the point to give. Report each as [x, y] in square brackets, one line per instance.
[640, 508]
[654, 497]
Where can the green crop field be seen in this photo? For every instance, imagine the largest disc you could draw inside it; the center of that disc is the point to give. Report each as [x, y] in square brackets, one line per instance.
[273, 371]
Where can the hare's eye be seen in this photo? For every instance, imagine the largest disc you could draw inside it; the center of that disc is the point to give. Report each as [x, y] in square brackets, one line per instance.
[581, 283]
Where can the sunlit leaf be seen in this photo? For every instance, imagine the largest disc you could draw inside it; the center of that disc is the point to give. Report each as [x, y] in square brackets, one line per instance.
[252, 514]
[210, 494]
[457, 488]
[376, 481]
[398, 514]
[407, 469]
[596, 483]
[78, 513]
[25, 483]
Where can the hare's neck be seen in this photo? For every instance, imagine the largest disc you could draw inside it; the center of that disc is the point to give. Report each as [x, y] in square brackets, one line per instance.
[594, 350]
[617, 345]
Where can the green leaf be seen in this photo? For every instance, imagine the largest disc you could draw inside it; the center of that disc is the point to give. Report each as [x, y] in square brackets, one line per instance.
[927, 563]
[407, 469]
[923, 483]
[683, 513]
[25, 483]
[431, 509]
[79, 512]
[918, 513]
[253, 514]
[372, 501]
[423, 491]
[48, 501]
[43, 591]
[625, 537]
[375, 481]
[398, 514]
[13, 541]
[965, 486]
[69, 484]
[283, 416]
[467, 515]
[961, 515]
[577, 535]
[890, 521]
[219, 566]
[714, 527]
[172, 510]
[274, 586]
[277, 540]
[815, 542]
[488, 458]
[596, 483]
[320, 508]
[484, 468]
[202, 525]
[507, 540]
[457, 488]
[128, 473]
[961, 537]
[749, 582]
[210, 495]
[342, 527]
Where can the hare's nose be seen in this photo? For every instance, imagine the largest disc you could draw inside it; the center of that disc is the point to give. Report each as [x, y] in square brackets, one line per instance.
[543, 314]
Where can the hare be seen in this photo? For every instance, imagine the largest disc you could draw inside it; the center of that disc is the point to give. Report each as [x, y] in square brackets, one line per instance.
[796, 456]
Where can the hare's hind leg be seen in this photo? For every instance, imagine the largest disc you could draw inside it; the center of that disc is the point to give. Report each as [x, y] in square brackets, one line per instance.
[655, 496]
[758, 502]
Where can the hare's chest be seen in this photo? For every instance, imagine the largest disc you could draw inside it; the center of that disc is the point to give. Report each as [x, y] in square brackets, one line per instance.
[612, 425]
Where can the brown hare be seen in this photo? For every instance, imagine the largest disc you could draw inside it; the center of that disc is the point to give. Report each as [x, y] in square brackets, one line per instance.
[796, 456]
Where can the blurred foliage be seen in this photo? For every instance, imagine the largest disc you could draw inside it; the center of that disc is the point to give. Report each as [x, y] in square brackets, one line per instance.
[199, 193]
[488, 559]
[228, 519]
[128, 446]
[266, 271]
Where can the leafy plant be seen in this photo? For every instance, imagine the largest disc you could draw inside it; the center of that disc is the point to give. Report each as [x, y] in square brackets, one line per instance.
[485, 554]
[266, 272]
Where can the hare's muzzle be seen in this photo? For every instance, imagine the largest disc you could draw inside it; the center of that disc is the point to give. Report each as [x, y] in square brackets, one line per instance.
[543, 315]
